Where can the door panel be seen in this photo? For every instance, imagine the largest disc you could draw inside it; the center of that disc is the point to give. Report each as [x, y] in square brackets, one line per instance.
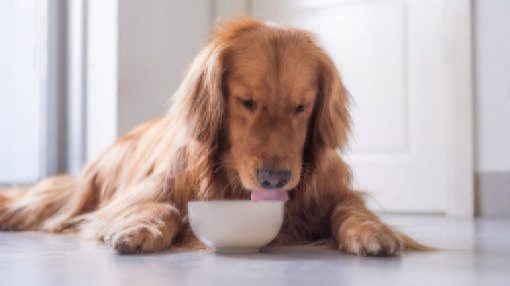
[390, 55]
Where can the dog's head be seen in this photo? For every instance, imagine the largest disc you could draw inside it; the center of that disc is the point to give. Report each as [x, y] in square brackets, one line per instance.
[275, 97]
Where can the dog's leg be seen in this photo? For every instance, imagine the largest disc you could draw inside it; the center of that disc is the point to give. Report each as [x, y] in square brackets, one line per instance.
[359, 231]
[147, 227]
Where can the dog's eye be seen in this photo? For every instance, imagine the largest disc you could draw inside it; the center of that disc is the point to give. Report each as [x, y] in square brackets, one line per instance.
[300, 108]
[248, 104]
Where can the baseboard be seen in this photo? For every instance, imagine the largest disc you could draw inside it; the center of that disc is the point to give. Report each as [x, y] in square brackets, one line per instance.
[493, 194]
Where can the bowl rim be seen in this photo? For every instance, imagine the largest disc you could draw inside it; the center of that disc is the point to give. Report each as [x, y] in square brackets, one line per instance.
[235, 202]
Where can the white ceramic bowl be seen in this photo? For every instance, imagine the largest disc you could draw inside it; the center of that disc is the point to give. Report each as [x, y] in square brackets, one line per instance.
[235, 226]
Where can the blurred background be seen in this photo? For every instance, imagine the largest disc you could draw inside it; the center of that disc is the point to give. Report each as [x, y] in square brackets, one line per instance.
[430, 81]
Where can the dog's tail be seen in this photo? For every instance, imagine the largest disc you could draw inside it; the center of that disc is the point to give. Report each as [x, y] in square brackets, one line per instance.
[28, 208]
[410, 244]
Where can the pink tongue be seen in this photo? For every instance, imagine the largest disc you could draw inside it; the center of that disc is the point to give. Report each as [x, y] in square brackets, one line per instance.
[269, 195]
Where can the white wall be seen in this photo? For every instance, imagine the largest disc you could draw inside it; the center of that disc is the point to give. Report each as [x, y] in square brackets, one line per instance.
[492, 66]
[138, 52]
[20, 91]
[157, 40]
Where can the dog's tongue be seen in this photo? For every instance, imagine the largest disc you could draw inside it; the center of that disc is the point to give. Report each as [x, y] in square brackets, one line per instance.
[269, 195]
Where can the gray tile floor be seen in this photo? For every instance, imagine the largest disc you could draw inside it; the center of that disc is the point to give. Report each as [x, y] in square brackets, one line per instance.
[475, 252]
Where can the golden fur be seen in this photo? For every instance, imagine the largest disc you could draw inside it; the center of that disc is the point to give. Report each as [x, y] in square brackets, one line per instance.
[255, 95]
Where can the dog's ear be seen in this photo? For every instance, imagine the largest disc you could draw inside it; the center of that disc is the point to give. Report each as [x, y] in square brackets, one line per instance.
[331, 119]
[200, 101]
[200, 97]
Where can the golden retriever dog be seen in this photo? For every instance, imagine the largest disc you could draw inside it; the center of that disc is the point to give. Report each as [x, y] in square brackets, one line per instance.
[261, 108]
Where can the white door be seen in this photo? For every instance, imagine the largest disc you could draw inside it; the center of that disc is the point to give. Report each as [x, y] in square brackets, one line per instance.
[397, 59]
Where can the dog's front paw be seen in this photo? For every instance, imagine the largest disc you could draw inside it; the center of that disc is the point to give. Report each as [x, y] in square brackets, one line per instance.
[366, 236]
[137, 239]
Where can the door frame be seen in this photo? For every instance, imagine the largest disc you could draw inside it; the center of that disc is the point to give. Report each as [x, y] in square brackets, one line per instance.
[457, 48]
[52, 69]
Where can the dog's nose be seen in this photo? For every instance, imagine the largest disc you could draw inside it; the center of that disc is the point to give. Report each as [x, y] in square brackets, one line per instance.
[272, 179]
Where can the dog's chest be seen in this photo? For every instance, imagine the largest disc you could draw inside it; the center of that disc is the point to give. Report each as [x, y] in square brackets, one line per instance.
[301, 225]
